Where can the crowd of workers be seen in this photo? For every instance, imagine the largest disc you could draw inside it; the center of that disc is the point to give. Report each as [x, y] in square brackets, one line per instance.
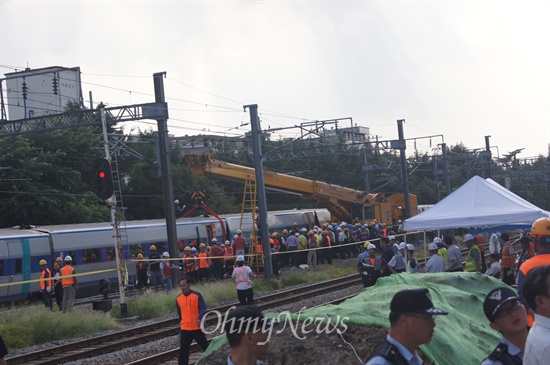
[412, 311]
[379, 254]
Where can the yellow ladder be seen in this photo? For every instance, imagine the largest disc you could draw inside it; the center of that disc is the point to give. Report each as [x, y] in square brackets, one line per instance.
[249, 206]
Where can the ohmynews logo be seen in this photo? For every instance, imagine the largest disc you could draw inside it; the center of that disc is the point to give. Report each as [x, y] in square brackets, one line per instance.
[299, 328]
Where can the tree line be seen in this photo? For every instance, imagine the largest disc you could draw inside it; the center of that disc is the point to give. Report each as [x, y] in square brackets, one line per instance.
[46, 178]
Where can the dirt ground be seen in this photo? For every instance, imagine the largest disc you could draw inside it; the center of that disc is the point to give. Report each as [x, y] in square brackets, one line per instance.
[329, 349]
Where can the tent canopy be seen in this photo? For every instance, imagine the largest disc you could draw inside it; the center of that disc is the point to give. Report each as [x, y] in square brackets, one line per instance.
[477, 203]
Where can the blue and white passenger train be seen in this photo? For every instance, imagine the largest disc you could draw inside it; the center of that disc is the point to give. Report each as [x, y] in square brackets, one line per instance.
[92, 246]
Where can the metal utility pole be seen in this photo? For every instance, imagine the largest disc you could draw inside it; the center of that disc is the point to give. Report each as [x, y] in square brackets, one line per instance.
[488, 156]
[260, 185]
[114, 221]
[167, 185]
[437, 172]
[366, 169]
[446, 169]
[404, 175]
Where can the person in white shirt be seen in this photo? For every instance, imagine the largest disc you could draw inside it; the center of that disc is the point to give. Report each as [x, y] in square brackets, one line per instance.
[243, 275]
[398, 262]
[495, 268]
[536, 289]
[412, 264]
[494, 244]
[436, 263]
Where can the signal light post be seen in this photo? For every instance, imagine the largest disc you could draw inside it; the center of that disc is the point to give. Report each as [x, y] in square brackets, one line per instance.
[103, 184]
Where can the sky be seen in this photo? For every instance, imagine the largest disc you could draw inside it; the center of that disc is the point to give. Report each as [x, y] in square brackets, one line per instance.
[454, 70]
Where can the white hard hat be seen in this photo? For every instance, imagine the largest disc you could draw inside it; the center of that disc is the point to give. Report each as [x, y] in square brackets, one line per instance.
[214, 239]
[227, 242]
[68, 258]
[371, 247]
[239, 231]
[432, 246]
[391, 238]
[468, 237]
[240, 258]
[437, 240]
[166, 254]
[410, 246]
[399, 221]
[402, 245]
[176, 201]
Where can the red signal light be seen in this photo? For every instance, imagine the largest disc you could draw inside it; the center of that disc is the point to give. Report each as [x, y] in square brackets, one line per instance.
[101, 175]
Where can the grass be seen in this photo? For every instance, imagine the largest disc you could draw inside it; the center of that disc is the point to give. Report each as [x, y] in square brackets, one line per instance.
[34, 325]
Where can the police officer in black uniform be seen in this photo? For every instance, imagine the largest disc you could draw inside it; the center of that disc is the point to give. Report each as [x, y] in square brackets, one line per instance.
[411, 325]
[508, 316]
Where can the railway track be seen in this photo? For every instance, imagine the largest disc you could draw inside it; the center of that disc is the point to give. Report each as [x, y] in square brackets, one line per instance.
[99, 345]
[172, 354]
[103, 344]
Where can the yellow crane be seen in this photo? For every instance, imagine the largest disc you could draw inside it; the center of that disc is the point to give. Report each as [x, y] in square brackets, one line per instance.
[343, 203]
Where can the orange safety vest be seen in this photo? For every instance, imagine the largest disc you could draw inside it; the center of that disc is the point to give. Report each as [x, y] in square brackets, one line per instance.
[480, 244]
[203, 260]
[67, 270]
[228, 254]
[507, 260]
[189, 309]
[275, 243]
[45, 283]
[189, 263]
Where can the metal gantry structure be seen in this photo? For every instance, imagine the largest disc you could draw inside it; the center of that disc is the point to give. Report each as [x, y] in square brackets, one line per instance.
[108, 116]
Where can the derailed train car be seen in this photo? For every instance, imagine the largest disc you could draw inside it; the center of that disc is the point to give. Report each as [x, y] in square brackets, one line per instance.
[92, 246]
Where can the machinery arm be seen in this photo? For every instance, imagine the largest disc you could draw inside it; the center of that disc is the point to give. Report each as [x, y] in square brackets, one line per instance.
[337, 199]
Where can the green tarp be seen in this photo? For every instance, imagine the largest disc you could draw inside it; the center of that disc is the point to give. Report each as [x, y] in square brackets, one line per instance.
[462, 337]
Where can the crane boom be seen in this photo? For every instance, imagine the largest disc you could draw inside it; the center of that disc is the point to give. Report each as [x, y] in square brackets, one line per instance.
[343, 203]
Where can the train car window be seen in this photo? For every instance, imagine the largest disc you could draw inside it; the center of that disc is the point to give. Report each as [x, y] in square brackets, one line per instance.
[91, 255]
[72, 253]
[369, 212]
[1, 267]
[209, 234]
[137, 249]
[160, 246]
[18, 266]
[110, 254]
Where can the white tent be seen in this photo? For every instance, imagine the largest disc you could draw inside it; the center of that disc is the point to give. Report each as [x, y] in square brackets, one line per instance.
[477, 203]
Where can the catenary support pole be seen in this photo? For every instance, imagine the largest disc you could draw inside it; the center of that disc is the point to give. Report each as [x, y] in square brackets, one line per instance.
[121, 275]
[167, 185]
[260, 186]
[446, 169]
[488, 157]
[404, 173]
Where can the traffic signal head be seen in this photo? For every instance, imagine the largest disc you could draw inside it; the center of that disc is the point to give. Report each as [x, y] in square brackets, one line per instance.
[103, 178]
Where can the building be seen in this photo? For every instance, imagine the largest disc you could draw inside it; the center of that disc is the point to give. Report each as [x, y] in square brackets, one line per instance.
[31, 93]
